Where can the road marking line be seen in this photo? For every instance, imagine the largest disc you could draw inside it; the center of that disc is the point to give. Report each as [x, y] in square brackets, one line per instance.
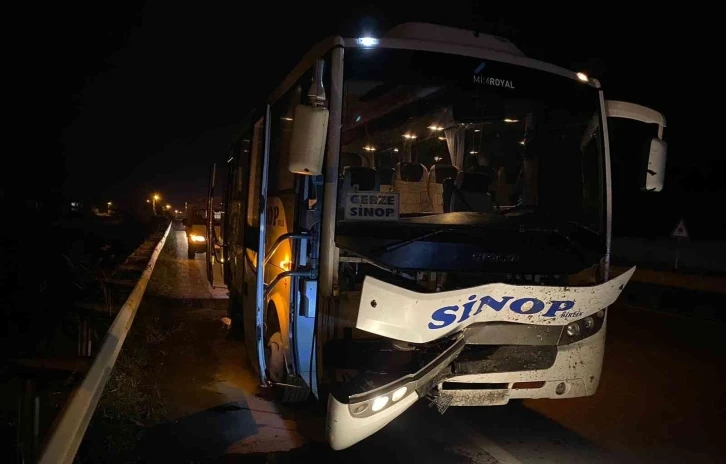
[484, 443]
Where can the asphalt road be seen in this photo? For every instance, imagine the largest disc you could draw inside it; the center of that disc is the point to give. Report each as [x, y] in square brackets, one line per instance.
[661, 399]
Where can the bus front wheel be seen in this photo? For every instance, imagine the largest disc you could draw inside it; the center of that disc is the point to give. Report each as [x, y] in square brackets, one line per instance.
[288, 388]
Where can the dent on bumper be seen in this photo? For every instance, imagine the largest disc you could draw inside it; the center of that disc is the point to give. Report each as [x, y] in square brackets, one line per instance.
[578, 365]
[345, 428]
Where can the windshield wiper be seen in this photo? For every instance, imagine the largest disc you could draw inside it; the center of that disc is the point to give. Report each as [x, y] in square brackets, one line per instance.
[403, 243]
[533, 210]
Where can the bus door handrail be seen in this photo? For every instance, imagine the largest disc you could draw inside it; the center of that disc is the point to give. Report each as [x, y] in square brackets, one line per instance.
[216, 242]
[309, 274]
[280, 240]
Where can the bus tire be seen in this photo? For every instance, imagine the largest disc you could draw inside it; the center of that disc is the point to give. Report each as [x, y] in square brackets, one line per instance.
[288, 388]
[297, 393]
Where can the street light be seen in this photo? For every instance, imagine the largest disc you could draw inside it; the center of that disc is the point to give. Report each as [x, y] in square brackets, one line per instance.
[168, 206]
[108, 210]
[153, 204]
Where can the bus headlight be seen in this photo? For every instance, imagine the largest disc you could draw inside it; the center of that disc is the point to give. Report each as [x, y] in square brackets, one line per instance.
[398, 394]
[573, 329]
[197, 238]
[379, 403]
[578, 330]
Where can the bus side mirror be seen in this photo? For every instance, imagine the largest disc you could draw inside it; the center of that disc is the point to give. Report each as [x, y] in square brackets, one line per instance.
[307, 147]
[654, 168]
[654, 174]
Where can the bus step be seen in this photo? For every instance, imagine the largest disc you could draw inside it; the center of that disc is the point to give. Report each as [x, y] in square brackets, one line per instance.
[280, 384]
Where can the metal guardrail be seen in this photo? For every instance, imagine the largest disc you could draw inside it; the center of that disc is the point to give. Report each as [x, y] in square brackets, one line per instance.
[71, 424]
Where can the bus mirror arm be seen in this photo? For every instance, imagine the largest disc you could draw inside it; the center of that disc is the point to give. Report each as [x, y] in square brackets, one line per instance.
[216, 255]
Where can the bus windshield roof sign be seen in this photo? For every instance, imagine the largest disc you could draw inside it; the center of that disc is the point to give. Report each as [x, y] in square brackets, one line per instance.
[371, 206]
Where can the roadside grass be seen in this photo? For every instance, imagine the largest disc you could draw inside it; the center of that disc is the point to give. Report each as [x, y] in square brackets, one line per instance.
[166, 275]
[132, 400]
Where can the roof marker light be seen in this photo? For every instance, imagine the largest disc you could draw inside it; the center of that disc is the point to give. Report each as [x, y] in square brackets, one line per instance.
[367, 41]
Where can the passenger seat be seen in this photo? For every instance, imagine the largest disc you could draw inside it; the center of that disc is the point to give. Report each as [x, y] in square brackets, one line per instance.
[470, 193]
[357, 179]
[435, 184]
[385, 179]
[409, 180]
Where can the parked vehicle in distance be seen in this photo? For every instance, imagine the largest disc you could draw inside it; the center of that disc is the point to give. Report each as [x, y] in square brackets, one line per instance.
[195, 225]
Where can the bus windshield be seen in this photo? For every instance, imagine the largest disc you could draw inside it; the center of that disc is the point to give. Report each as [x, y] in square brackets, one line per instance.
[462, 141]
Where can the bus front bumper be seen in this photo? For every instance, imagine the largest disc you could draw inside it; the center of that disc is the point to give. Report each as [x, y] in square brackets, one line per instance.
[574, 372]
[368, 412]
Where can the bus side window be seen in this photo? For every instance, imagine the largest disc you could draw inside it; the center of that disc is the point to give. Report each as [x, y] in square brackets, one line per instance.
[239, 192]
[251, 235]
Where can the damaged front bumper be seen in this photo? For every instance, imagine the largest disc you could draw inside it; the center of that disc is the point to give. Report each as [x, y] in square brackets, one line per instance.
[463, 376]
[368, 412]
[526, 322]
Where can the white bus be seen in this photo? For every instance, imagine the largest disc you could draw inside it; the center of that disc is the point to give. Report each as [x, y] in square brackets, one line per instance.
[425, 214]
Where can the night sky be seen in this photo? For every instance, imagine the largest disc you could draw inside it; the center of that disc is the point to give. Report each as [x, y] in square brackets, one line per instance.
[143, 97]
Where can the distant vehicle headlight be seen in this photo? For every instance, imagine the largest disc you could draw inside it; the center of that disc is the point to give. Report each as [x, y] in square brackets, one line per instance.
[197, 238]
